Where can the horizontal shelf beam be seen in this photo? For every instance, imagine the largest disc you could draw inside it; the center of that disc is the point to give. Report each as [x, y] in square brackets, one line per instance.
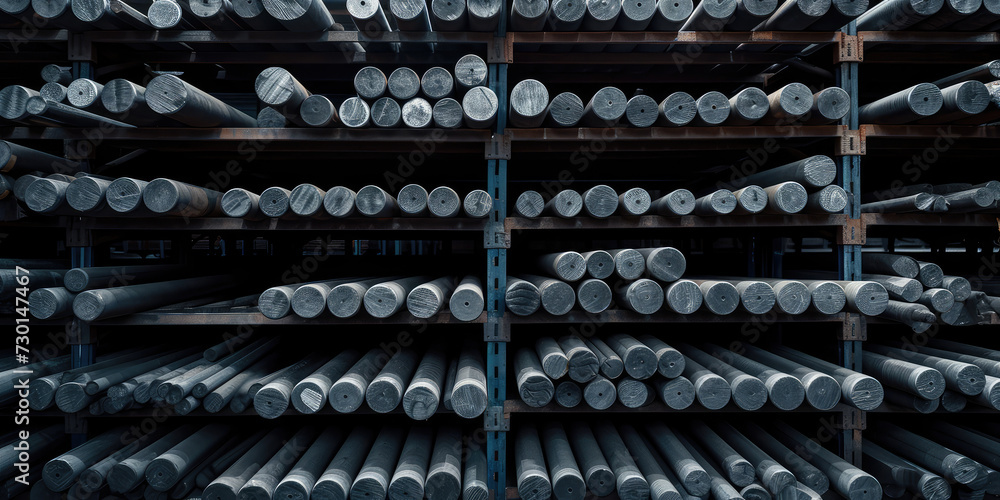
[518, 406]
[687, 221]
[231, 224]
[181, 317]
[282, 37]
[623, 316]
[674, 38]
[929, 37]
[931, 219]
[871, 131]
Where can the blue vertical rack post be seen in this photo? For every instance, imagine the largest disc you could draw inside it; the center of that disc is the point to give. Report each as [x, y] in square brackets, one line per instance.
[496, 241]
[850, 53]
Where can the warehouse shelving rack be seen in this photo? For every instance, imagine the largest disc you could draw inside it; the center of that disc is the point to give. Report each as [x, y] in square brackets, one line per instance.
[500, 146]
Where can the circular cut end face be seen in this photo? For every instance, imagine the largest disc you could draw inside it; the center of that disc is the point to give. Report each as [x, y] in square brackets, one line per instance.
[925, 99]
[964, 7]
[289, 10]
[529, 98]
[828, 298]
[466, 305]
[274, 202]
[639, 9]
[480, 103]
[723, 201]
[88, 305]
[404, 83]
[124, 195]
[354, 112]
[75, 280]
[449, 10]
[751, 103]
[911, 291]
[758, 298]
[407, 10]
[833, 103]
[362, 9]
[600, 394]
[316, 110]
[49, 9]
[437, 82]
[447, 113]
[753, 199]
[370, 82]
[760, 8]
[834, 198]
[722, 9]
[678, 393]
[470, 70]
[423, 302]
[160, 195]
[387, 113]
[308, 301]
[235, 202]
[535, 488]
[934, 487]
[973, 97]
[971, 380]
[850, 8]
[270, 403]
[165, 15]
[566, 109]
[206, 8]
[306, 199]
[713, 107]
[871, 299]
[89, 10]
[166, 94]
[630, 264]
[929, 383]
[600, 201]
[484, 9]
[570, 12]
[371, 200]
[796, 99]
[274, 85]
[13, 100]
[749, 393]
[307, 397]
[600, 264]
[344, 301]
[43, 303]
[443, 202]
[271, 118]
[684, 297]
[714, 393]
[722, 298]
[568, 394]
[594, 296]
[609, 103]
[83, 93]
[793, 297]
[676, 11]
[557, 299]
[568, 203]
[785, 391]
[645, 296]
[641, 110]
[864, 487]
[119, 95]
[381, 302]
[417, 113]
[522, 298]
[339, 201]
[820, 170]
[636, 201]
[942, 300]
[815, 8]
[478, 203]
[666, 264]
[274, 303]
[679, 108]
[865, 392]
[530, 204]
[412, 199]
[44, 195]
[603, 10]
[530, 9]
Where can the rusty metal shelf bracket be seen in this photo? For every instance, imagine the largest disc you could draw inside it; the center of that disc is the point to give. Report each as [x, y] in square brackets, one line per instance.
[850, 48]
[852, 143]
[496, 329]
[855, 327]
[851, 419]
[500, 50]
[498, 148]
[496, 418]
[852, 232]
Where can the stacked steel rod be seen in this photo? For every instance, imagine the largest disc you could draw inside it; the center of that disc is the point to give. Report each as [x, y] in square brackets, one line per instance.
[638, 371]
[310, 201]
[803, 186]
[722, 460]
[941, 374]
[953, 197]
[421, 296]
[921, 294]
[96, 196]
[530, 107]
[647, 280]
[967, 102]
[241, 373]
[222, 461]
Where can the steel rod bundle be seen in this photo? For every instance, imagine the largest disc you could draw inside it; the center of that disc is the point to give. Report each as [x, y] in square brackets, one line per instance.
[859, 390]
[911, 104]
[846, 479]
[534, 387]
[926, 453]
